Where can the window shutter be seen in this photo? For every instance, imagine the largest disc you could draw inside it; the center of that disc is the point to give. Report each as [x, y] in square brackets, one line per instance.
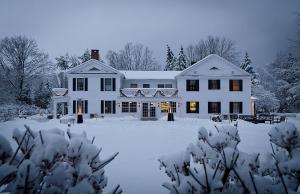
[197, 85]
[241, 85]
[187, 85]
[209, 107]
[219, 107]
[187, 107]
[114, 107]
[230, 85]
[114, 84]
[230, 107]
[74, 84]
[86, 84]
[85, 106]
[219, 84]
[209, 84]
[197, 107]
[102, 106]
[74, 106]
[241, 107]
[102, 84]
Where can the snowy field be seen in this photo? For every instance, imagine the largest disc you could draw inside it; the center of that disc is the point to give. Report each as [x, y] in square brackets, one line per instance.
[141, 143]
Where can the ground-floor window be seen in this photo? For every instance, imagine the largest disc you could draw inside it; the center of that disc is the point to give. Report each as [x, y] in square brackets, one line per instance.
[108, 106]
[80, 106]
[214, 107]
[168, 107]
[129, 107]
[192, 107]
[236, 107]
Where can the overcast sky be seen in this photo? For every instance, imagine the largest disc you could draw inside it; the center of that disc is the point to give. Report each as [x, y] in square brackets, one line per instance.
[262, 27]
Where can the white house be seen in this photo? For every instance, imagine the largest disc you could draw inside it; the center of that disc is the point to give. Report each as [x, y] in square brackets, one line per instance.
[210, 86]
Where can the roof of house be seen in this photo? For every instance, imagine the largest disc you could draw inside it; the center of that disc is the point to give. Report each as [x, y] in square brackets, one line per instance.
[150, 74]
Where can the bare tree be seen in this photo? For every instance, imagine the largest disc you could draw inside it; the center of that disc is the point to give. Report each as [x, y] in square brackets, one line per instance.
[212, 45]
[132, 57]
[21, 61]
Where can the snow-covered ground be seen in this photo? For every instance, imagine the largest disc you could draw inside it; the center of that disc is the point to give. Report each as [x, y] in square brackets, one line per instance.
[141, 143]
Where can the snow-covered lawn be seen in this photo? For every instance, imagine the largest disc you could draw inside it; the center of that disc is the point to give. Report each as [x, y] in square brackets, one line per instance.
[141, 143]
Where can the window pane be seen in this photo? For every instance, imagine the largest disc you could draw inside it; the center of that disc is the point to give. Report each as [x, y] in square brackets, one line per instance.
[164, 106]
[133, 85]
[79, 107]
[193, 107]
[132, 106]
[214, 107]
[80, 84]
[236, 85]
[160, 85]
[173, 106]
[125, 106]
[192, 85]
[213, 84]
[168, 86]
[108, 84]
[107, 107]
[146, 85]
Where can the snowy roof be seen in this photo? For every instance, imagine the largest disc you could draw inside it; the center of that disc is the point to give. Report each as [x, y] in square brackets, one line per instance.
[150, 74]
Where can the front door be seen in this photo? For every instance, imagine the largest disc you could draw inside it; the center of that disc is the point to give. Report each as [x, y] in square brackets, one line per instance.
[148, 110]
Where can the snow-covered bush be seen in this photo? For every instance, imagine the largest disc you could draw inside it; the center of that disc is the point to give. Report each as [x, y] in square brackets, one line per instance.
[214, 164]
[10, 111]
[50, 162]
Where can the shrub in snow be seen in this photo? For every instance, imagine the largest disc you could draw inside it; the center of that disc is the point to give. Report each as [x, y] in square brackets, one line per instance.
[10, 111]
[214, 164]
[48, 162]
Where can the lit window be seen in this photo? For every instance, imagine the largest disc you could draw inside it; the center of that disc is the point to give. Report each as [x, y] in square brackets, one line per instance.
[236, 85]
[192, 107]
[168, 107]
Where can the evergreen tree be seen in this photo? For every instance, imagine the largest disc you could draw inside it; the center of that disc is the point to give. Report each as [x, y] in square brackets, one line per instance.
[42, 95]
[170, 61]
[181, 62]
[85, 56]
[246, 65]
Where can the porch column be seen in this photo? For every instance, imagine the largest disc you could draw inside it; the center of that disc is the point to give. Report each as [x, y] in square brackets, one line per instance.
[54, 109]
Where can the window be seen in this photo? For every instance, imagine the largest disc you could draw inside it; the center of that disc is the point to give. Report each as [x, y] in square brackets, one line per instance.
[108, 107]
[213, 84]
[133, 85]
[80, 84]
[108, 84]
[80, 106]
[167, 107]
[146, 85]
[160, 85]
[192, 85]
[236, 85]
[214, 107]
[192, 107]
[236, 107]
[168, 86]
[129, 107]
[164, 85]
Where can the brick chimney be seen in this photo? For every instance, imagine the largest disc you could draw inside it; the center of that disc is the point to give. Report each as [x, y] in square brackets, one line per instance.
[95, 54]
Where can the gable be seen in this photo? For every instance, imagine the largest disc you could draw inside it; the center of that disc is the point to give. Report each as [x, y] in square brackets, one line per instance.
[93, 66]
[213, 65]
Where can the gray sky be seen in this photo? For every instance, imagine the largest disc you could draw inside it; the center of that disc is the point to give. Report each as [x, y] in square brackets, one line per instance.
[262, 27]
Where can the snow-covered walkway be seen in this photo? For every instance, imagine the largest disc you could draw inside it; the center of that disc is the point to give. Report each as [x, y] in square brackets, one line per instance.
[141, 143]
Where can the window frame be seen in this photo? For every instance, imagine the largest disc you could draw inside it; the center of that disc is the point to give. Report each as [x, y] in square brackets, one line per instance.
[218, 107]
[188, 107]
[232, 87]
[212, 82]
[146, 84]
[192, 87]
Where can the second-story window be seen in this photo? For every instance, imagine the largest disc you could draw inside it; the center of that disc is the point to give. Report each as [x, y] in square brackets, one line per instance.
[236, 85]
[213, 84]
[108, 84]
[133, 85]
[192, 85]
[80, 84]
[160, 85]
[146, 85]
